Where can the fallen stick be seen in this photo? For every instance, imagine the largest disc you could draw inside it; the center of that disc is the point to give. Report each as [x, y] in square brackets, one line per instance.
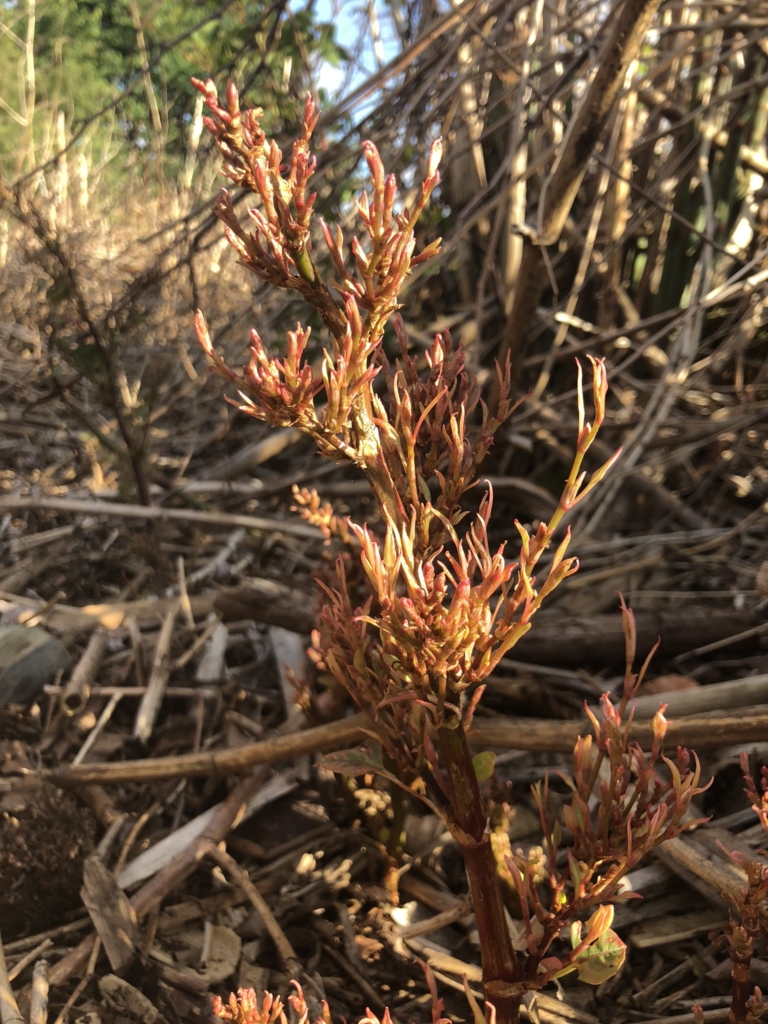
[81, 506]
[158, 680]
[242, 879]
[148, 612]
[713, 877]
[734, 693]
[253, 454]
[334, 736]
[701, 732]
[27, 959]
[577, 641]
[9, 1010]
[38, 1011]
[583, 640]
[78, 689]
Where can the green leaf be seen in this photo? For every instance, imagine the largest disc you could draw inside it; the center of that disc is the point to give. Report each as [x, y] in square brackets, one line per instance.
[483, 764]
[59, 291]
[557, 833]
[87, 359]
[358, 761]
[577, 876]
[600, 961]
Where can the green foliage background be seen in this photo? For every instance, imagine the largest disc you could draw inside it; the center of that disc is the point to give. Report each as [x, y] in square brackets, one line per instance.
[87, 61]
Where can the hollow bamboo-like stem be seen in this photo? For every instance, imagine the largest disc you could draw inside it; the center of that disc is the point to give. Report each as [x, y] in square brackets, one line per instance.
[469, 827]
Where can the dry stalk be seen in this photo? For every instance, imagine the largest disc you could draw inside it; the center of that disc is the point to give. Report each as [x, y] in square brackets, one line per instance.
[9, 1010]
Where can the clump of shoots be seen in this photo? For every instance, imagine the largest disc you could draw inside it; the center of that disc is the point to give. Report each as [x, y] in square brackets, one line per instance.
[246, 1008]
[749, 918]
[444, 606]
[619, 810]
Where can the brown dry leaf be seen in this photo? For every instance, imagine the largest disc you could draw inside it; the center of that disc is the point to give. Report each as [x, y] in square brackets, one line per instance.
[223, 955]
[113, 916]
[126, 999]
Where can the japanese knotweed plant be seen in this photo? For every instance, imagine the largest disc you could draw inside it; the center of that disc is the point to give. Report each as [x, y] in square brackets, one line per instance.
[444, 608]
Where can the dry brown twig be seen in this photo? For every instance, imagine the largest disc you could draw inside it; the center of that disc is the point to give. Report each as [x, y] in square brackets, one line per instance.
[746, 726]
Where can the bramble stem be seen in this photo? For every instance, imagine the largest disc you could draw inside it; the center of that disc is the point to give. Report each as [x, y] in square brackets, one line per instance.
[500, 967]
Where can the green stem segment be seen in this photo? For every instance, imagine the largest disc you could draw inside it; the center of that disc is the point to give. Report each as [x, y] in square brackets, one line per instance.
[304, 265]
[501, 976]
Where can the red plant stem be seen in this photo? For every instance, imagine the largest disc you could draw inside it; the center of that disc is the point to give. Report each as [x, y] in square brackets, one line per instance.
[470, 829]
[743, 987]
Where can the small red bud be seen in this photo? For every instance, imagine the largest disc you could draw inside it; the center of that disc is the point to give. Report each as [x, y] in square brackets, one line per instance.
[233, 99]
